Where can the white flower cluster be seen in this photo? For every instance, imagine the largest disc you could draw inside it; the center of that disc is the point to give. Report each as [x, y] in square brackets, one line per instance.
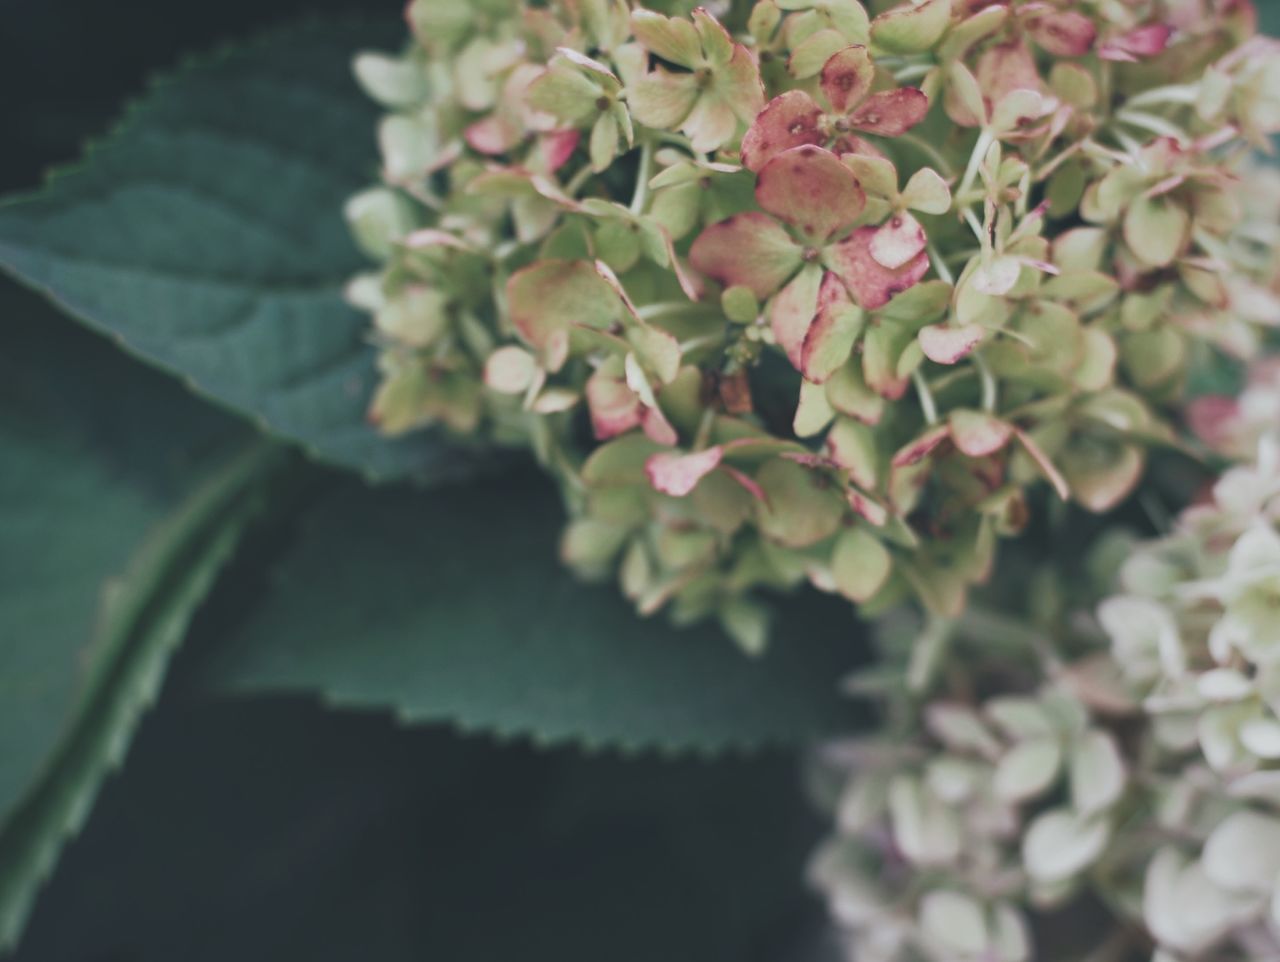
[1127, 756]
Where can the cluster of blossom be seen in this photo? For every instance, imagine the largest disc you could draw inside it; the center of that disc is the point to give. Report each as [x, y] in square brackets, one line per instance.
[1131, 757]
[791, 291]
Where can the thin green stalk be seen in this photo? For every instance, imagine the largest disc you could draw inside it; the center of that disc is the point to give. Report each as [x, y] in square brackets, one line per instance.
[643, 175]
[927, 404]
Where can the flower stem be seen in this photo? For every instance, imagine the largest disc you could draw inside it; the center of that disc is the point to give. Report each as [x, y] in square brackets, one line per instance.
[940, 265]
[927, 404]
[975, 160]
[643, 175]
[578, 181]
[988, 381]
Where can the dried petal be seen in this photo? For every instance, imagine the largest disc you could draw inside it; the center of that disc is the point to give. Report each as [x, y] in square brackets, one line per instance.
[891, 113]
[871, 284]
[810, 189]
[847, 77]
[788, 120]
[750, 250]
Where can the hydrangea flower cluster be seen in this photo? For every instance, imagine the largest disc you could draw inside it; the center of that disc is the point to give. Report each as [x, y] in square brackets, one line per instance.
[795, 290]
[1129, 756]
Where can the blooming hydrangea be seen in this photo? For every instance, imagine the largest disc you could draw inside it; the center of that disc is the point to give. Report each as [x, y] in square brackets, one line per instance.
[1131, 757]
[794, 291]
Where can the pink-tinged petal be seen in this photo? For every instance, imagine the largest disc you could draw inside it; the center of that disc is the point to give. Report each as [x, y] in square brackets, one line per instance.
[792, 311]
[871, 284]
[890, 113]
[977, 434]
[1005, 67]
[678, 474]
[1047, 467]
[1063, 33]
[657, 428]
[748, 483]
[615, 409]
[750, 250]
[788, 120]
[834, 330]
[847, 77]
[872, 511]
[943, 344]
[916, 451]
[897, 241]
[810, 189]
[1144, 42]
[492, 135]
[1213, 419]
[557, 147]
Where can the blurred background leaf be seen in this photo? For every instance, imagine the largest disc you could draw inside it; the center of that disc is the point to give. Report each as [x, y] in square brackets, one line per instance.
[115, 518]
[206, 235]
[452, 606]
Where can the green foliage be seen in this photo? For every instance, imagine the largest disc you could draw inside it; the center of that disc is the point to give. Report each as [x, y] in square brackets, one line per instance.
[206, 235]
[452, 607]
[107, 551]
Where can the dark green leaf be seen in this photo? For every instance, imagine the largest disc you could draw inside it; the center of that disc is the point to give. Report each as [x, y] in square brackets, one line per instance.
[114, 519]
[453, 606]
[206, 235]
